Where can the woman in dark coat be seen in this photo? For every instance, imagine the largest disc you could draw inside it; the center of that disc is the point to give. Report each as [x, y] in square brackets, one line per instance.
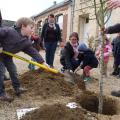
[69, 54]
[51, 35]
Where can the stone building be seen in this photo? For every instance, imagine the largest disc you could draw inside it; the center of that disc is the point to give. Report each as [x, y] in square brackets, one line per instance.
[84, 21]
[8, 23]
[61, 12]
[77, 16]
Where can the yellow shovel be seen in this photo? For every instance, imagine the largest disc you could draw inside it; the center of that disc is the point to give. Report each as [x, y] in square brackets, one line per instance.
[32, 62]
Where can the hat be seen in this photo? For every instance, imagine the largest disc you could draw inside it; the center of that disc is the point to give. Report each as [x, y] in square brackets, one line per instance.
[82, 47]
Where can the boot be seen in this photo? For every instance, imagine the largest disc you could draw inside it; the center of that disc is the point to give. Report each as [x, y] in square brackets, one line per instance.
[116, 71]
[20, 91]
[6, 98]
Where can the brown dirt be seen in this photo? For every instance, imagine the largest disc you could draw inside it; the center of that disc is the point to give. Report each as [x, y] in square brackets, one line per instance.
[56, 112]
[90, 102]
[44, 84]
[36, 93]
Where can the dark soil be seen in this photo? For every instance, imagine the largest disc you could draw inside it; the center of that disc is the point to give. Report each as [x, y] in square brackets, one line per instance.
[45, 84]
[90, 101]
[56, 112]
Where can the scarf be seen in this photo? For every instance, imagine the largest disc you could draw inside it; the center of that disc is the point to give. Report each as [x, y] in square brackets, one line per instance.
[52, 25]
[75, 49]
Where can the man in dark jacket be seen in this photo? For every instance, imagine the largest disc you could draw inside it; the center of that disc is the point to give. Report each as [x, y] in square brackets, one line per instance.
[15, 40]
[116, 54]
[111, 30]
[51, 34]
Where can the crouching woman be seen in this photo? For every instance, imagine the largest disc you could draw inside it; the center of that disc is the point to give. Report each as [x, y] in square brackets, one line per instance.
[69, 54]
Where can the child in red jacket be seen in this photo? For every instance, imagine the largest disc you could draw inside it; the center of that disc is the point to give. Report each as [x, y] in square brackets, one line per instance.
[107, 53]
[36, 42]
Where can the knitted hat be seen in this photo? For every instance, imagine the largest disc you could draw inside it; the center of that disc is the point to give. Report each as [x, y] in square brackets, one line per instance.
[82, 47]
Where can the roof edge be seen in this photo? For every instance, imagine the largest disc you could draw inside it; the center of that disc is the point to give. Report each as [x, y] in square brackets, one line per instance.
[65, 2]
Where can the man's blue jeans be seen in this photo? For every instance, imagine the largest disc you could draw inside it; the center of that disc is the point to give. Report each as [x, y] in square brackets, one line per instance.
[50, 52]
[8, 63]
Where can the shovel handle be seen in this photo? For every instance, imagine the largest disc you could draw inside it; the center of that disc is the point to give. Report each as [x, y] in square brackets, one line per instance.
[32, 62]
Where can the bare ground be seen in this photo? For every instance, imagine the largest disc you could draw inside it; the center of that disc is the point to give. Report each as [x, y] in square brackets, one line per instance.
[8, 110]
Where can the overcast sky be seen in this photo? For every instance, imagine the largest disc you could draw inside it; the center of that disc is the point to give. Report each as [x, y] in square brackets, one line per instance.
[14, 9]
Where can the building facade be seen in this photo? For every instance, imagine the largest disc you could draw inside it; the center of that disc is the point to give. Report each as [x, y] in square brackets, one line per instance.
[61, 12]
[84, 21]
[77, 16]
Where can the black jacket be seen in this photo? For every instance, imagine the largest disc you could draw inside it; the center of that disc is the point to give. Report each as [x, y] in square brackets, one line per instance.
[116, 50]
[45, 31]
[113, 29]
[89, 59]
[116, 47]
[12, 41]
[66, 55]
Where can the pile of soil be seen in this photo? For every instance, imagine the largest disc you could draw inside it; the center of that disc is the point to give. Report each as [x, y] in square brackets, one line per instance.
[90, 101]
[46, 84]
[56, 112]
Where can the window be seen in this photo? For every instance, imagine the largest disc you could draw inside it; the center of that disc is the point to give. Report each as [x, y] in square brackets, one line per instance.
[39, 26]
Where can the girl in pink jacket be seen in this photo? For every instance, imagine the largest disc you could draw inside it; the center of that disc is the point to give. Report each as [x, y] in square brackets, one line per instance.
[107, 52]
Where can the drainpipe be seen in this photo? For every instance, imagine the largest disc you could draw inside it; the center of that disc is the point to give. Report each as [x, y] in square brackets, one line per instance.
[72, 15]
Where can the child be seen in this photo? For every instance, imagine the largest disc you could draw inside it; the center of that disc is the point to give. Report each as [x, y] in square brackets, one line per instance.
[69, 53]
[36, 42]
[89, 61]
[15, 39]
[107, 52]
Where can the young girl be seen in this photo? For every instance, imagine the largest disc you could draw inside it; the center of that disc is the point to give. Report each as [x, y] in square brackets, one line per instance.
[36, 42]
[107, 52]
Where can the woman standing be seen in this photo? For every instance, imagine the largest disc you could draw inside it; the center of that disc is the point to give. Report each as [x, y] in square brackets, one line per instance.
[51, 34]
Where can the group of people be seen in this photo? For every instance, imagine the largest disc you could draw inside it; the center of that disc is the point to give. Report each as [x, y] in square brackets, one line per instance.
[75, 54]
[20, 38]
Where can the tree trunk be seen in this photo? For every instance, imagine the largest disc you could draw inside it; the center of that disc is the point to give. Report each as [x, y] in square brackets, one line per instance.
[101, 12]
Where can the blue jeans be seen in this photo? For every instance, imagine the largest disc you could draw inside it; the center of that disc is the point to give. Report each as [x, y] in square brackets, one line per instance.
[50, 52]
[8, 63]
[31, 66]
